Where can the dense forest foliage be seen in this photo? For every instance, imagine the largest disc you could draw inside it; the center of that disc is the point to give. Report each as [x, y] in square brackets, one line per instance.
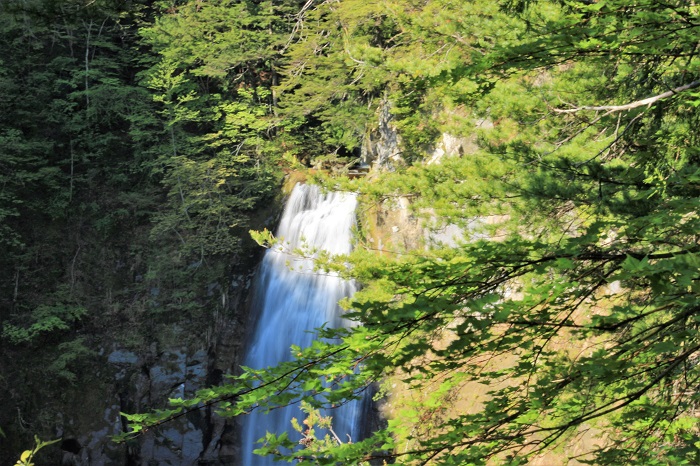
[128, 180]
[565, 319]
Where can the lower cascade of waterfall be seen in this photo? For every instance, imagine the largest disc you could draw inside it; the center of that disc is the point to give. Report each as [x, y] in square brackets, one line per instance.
[291, 300]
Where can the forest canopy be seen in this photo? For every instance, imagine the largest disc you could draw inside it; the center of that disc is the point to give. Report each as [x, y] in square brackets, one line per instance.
[567, 314]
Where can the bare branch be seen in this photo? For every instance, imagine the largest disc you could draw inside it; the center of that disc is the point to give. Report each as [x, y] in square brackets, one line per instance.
[298, 25]
[639, 103]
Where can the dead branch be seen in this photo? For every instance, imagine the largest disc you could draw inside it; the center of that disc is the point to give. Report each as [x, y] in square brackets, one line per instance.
[639, 103]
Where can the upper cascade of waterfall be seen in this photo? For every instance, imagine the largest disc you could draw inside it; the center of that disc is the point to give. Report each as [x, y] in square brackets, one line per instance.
[324, 221]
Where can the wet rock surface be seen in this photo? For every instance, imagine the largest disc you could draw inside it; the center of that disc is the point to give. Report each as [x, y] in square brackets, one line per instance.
[137, 380]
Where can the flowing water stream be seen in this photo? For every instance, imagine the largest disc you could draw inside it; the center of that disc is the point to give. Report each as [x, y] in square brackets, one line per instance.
[291, 299]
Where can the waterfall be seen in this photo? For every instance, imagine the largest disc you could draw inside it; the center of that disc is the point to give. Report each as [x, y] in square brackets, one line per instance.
[291, 299]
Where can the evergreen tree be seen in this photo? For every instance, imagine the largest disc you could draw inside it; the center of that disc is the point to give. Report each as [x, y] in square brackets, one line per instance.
[217, 64]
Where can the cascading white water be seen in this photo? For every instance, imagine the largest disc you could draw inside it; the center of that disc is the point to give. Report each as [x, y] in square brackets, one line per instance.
[291, 300]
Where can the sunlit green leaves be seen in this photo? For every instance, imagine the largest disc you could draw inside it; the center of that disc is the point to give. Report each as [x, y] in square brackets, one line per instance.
[27, 456]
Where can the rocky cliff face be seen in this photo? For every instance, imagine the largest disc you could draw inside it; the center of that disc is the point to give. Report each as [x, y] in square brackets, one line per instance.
[136, 381]
[141, 357]
[381, 147]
